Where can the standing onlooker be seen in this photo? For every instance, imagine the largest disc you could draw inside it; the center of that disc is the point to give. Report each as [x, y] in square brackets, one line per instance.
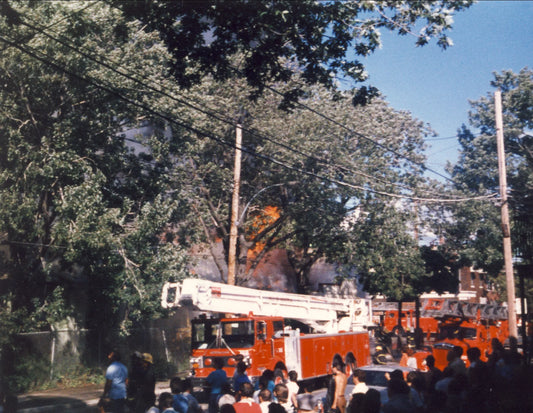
[246, 403]
[399, 401]
[432, 376]
[179, 401]
[293, 388]
[265, 398]
[330, 394]
[240, 376]
[281, 405]
[192, 404]
[134, 376]
[455, 361]
[165, 403]
[417, 389]
[372, 402]
[339, 400]
[359, 379]
[145, 393]
[116, 381]
[216, 380]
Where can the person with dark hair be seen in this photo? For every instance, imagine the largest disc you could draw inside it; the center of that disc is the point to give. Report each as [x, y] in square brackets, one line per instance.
[455, 362]
[192, 403]
[240, 376]
[135, 375]
[359, 379]
[265, 398]
[216, 380]
[399, 402]
[339, 400]
[330, 394]
[372, 402]
[496, 355]
[180, 402]
[165, 403]
[417, 386]
[478, 379]
[293, 387]
[270, 380]
[227, 408]
[116, 382]
[432, 376]
[356, 403]
[246, 403]
[433, 373]
[281, 405]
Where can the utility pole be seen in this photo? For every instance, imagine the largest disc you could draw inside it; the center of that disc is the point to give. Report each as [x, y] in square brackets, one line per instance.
[506, 229]
[232, 248]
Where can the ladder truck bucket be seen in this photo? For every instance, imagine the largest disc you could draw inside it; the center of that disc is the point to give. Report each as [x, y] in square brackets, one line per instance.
[171, 295]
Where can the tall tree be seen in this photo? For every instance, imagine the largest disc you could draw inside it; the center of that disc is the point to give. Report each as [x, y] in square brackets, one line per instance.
[304, 174]
[476, 228]
[82, 213]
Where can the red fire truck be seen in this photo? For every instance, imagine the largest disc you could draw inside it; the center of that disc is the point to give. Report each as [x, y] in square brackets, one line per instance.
[447, 323]
[270, 330]
[466, 325]
[386, 315]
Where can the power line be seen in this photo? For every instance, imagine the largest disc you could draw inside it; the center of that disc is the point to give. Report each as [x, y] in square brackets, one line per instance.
[212, 136]
[216, 116]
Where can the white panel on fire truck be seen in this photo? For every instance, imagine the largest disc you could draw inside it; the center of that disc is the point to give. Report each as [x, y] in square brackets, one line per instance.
[292, 350]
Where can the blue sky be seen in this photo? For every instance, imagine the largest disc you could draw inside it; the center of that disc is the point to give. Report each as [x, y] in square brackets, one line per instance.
[435, 85]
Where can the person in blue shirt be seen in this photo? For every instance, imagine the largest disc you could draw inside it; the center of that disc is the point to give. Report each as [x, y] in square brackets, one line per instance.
[216, 380]
[116, 377]
[240, 376]
[179, 402]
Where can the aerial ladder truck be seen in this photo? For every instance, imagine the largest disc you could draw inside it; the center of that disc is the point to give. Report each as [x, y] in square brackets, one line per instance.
[270, 330]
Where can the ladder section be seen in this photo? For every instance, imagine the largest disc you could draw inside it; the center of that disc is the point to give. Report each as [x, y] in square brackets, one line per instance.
[206, 295]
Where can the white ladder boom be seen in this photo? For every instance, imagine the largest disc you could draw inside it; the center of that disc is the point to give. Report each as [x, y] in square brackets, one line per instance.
[206, 295]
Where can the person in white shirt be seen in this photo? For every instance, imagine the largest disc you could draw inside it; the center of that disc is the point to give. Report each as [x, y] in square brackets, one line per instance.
[359, 379]
[265, 398]
[293, 388]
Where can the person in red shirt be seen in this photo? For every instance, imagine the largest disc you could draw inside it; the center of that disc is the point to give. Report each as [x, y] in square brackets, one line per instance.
[246, 403]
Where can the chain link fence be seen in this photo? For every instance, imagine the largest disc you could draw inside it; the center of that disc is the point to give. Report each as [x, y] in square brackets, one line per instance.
[64, 353]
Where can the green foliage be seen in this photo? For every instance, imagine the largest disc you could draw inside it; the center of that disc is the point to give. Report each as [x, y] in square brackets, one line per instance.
[83, 215]
[477, 225]
[89, 216]
[441, 270]
[476, 230]
[279, 39]
[31, 371]
[315, 173]
[386, 254]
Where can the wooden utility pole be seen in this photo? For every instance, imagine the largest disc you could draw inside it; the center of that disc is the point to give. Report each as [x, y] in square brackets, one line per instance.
[506, 229]
[232, 248]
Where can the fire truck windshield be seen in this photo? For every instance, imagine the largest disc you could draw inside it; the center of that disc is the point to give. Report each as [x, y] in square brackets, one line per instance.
[457, 332]
[238, 334]
[204, 333]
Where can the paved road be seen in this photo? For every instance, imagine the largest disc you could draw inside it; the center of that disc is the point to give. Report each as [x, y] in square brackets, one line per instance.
[76, 400]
